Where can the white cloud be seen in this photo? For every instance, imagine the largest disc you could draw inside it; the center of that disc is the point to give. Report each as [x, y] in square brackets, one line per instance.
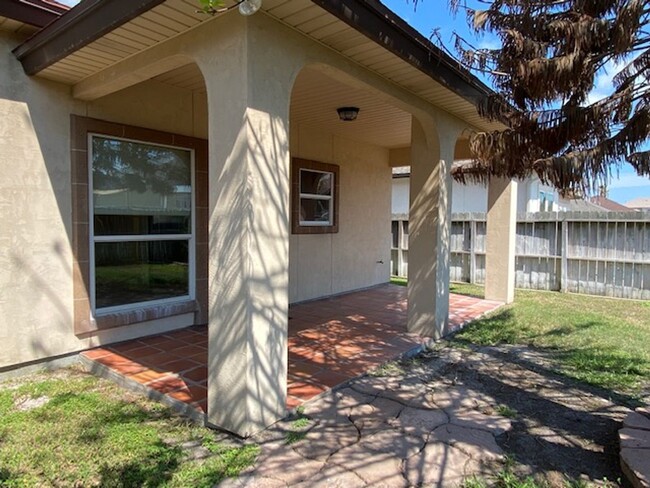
[630, 180]
[604, 82]
[489, 43]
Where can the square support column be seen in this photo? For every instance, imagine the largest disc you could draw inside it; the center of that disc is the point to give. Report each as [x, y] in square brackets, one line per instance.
[501, 240]
[248, 240]
[429, 229]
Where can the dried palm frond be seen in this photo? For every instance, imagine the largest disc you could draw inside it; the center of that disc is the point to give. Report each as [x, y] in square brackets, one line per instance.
[544, 72]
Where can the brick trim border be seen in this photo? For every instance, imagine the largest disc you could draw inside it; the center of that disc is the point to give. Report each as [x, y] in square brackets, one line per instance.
[84, 322]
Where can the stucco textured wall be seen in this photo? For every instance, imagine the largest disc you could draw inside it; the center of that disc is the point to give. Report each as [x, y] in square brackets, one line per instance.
[327, 264]
[35, 203]
[473, 197]
[257, 59]
[36, 212]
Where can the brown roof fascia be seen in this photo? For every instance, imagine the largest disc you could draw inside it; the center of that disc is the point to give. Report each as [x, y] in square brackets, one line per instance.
[382, 25]
[33, 12]
[80, 26]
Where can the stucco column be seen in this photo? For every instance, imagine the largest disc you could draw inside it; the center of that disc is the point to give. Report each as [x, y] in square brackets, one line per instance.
[248, 237]
[500, 240]
[429, 225]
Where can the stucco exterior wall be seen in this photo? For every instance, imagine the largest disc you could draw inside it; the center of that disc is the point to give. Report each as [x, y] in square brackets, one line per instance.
[468, 198]
[400, 196]
[36, 312]
[327, 264]
[35, 175]
[157, 106]
[472, 197]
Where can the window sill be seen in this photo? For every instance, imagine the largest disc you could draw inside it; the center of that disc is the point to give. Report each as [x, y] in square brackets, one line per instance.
[315, 229]
[145, 314]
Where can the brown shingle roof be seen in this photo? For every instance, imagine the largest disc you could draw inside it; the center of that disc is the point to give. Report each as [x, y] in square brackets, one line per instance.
[610, 205]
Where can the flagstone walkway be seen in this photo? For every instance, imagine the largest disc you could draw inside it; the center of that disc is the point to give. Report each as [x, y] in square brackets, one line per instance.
[392, 431]
[446, 417]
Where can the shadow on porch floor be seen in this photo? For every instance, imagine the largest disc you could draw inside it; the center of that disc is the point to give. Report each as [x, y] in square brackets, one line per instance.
[330, 341]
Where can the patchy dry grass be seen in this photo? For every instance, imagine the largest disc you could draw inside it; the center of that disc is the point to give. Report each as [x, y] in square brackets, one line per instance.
[602, 341]
[69, 428]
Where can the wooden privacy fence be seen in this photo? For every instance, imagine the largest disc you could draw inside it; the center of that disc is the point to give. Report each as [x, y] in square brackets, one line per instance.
[598, 253]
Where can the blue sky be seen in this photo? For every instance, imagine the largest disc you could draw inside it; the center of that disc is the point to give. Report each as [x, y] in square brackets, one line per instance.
[434, 14]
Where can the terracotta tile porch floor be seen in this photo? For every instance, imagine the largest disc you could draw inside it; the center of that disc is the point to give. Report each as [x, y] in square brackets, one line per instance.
[330, 341]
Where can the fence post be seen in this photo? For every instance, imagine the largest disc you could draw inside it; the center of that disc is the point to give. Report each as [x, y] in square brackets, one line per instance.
[564, 268]
[472, 249]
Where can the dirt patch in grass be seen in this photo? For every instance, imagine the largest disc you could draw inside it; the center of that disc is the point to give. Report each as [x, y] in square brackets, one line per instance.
[564, 432]
[602, 341]
[69, 428]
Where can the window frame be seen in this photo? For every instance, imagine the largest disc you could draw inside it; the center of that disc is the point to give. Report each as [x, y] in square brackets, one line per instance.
[92, 239]
[316, 196]
[298, 226]
[546, 200]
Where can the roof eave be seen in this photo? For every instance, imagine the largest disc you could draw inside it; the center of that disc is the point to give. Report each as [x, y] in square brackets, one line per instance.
[83, 24]
[38, 14]
[386, 28]
[91, 19]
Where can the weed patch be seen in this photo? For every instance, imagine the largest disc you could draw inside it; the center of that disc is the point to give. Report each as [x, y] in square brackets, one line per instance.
[89, 432]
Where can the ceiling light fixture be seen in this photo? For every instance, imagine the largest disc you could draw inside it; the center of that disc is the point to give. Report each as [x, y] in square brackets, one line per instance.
[249, 7]
[348, 114]
[245, 7]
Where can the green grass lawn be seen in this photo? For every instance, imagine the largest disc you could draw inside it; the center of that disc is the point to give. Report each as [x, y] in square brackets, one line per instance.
[602, 341]
[89, 432]
[460, 288]
[137, 275]
[140, 282]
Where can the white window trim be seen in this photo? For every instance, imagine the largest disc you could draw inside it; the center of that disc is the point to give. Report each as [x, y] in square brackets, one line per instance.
[191, 237]
[316, 196]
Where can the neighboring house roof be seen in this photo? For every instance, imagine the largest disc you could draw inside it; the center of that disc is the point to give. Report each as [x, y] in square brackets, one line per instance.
[579, 205]
[610, 205]
[38, 13]
[642, 203]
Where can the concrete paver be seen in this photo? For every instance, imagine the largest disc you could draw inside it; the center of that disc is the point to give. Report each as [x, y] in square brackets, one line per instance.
[431, 422]
[380, 432]
[634, 439]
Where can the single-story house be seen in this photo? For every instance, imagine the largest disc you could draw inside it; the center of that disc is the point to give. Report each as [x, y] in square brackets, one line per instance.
[161, 167]
[607, 205]
[532, 195]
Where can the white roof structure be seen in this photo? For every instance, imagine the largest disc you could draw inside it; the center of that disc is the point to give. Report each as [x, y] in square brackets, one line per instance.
[640, 203]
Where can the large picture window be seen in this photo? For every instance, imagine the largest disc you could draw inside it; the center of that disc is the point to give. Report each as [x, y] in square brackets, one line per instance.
[141, 224]
[315, 189]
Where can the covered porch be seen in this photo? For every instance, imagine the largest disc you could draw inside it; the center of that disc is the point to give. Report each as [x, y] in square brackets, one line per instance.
[330, 342]
[214, 181]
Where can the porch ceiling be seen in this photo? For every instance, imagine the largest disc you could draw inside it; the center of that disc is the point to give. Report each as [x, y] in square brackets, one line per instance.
[314, 101]
[316, 97]
[14, 26]
[173, 17]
